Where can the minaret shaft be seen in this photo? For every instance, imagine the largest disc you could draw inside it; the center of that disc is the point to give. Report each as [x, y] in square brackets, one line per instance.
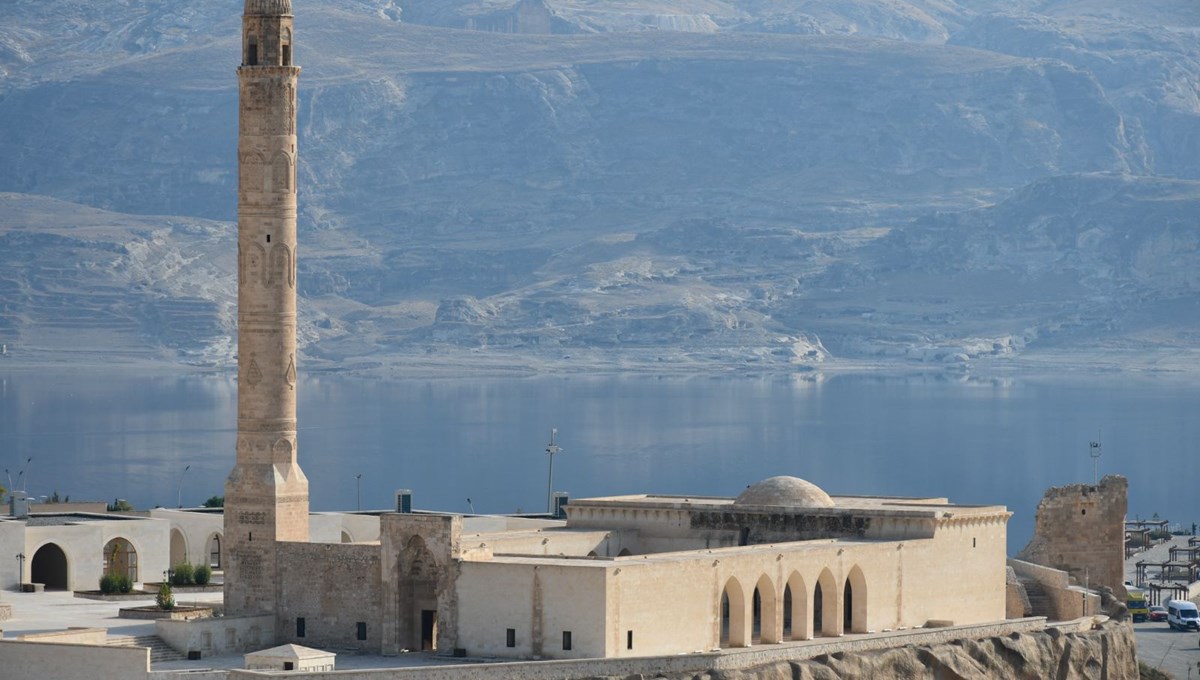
[266, 495]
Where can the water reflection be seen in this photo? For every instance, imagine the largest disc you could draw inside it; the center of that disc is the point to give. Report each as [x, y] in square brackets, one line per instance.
[101, 436]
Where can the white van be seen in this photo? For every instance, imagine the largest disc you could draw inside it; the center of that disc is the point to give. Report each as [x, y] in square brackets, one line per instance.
[1182, 615]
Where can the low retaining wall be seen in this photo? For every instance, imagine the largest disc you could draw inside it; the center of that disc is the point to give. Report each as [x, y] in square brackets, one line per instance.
[74, 662]
[175, 614]
[686, 663]
[1067, 601]
[216, 636]
[70, 636]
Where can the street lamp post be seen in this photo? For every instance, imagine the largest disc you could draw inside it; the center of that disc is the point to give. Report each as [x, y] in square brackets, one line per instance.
[20, 569]
[550, 451]
[358, 489]
[179, 491]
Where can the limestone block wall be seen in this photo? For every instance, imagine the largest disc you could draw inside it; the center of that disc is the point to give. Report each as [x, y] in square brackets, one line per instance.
[538, 602]
[1080, 529]
[216, 636]
[554, 542]
[75, 662]
[342, 527]
[81, 545]
[12, 542]
[336, 589]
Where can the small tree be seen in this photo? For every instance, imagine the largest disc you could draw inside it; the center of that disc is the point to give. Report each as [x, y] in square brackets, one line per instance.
[109, 584]
[165, 598]
[124, 583]
[202, 575]
[215, 502]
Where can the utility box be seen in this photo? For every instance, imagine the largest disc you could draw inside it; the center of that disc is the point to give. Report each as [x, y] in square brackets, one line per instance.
[404, 500]
[561, 498]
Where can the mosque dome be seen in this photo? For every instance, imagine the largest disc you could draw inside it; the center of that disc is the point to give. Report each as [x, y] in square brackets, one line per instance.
[785, 491]
[269, 7]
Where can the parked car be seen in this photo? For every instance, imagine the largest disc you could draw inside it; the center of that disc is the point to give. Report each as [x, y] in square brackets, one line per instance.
[1183, 615]
[1158, 613]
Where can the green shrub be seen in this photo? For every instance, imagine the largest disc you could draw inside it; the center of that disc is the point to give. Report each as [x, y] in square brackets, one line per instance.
[109, 584]
[202, 575]
[182, 574]
[165, 599]
[124, 583]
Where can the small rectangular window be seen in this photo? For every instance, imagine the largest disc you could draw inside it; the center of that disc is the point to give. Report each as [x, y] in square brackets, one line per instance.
[289, 665]
[287, 55]
[566, 640]
[510, 637]
[629, 640]
[362, 630]
[252, 55]
[299, 626]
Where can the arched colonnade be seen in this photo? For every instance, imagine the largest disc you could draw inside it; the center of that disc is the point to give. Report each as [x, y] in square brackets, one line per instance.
[764, 612]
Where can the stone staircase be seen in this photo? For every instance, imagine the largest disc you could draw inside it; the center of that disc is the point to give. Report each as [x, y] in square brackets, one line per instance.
[159, 650]
[1039, 603]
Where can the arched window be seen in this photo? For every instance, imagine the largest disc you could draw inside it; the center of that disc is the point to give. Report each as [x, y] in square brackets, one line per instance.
[120, 558]
[214, 551]
[286, 52]
[252, 51]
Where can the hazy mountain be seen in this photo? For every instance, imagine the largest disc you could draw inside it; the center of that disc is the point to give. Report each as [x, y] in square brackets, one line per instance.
[679, 183]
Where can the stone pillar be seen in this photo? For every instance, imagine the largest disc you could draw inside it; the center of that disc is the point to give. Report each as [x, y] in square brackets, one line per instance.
[266, 494]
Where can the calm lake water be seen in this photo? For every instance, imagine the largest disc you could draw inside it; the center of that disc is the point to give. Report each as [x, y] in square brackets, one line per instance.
[99, 436]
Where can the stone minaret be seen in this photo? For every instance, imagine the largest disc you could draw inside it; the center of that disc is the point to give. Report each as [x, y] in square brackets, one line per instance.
[266, 495]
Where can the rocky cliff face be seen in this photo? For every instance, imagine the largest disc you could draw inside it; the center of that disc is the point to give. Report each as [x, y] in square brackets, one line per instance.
[1106, 653]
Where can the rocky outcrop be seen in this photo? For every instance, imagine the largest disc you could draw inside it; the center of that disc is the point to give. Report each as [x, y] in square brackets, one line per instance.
[1104, 653]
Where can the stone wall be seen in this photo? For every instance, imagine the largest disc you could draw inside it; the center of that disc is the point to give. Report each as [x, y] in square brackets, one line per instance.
[418, 570]
[216, 636]
[336, 589]
[1080, 529]
[73, 662]
[1012, 649]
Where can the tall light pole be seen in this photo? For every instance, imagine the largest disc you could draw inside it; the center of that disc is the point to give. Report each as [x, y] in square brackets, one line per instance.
[179, 490]
[1095, 452]
[358, 489]
[551, 450]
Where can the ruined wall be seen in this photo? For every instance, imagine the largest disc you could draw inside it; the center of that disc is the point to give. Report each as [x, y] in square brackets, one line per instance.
[1080, 529]
[334, 588]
